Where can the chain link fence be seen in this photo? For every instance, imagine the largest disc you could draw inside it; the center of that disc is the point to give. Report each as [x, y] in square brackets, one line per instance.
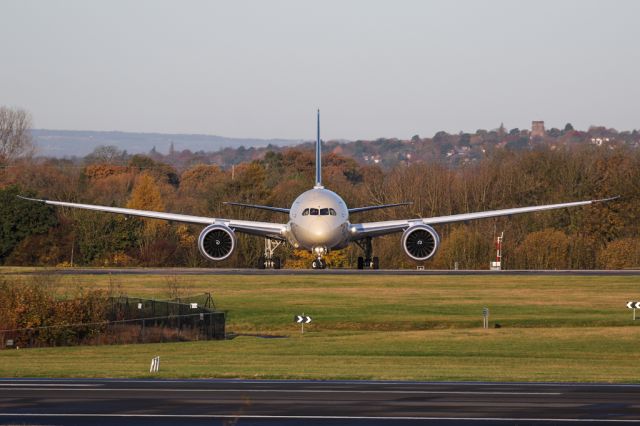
[129, 320]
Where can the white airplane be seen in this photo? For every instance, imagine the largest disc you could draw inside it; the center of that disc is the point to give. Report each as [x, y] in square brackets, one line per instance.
[318, 222]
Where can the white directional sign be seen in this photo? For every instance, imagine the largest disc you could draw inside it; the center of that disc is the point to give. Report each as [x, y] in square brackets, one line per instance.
[302, 319]
[633, 305]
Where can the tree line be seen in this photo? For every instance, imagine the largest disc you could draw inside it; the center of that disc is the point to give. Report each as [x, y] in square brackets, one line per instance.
[604, 235]
[599, 236]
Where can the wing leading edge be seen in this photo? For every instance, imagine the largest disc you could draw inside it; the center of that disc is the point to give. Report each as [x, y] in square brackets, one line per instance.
[257, 206]
[379, 206]
[265, 229]
[374, 229]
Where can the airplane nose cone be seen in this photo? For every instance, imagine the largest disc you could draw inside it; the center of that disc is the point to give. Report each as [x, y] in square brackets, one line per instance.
[319, 233]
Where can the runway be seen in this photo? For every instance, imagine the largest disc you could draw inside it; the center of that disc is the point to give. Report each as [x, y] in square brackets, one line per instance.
[248, 271]
[238, 402]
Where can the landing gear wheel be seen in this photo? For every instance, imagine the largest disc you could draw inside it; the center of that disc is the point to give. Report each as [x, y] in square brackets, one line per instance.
[277, 264]
[261, 263]
[319, 264]
[367, 262]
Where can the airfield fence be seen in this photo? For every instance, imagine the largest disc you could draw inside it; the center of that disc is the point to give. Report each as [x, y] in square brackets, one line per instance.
[129, 320]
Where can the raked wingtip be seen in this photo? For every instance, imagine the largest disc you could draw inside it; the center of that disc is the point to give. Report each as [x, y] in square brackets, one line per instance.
[606, 200]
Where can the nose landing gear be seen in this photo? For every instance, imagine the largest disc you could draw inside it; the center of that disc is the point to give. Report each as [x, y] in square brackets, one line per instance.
[367, 262]
[319, 262]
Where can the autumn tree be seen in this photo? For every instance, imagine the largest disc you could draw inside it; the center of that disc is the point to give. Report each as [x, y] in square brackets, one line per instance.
[20, 218]
[160, 171]
[146, 196]
[620, 254]
[106, 154]
[546, 249]
[466, 247]
[15, 136]
[156, 242]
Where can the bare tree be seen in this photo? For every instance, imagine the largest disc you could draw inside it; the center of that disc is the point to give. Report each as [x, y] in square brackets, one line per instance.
[109, 154]
[15, 134]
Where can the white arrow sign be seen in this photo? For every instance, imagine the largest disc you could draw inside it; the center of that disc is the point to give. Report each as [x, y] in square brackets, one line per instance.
[302, 319]
[633, 305]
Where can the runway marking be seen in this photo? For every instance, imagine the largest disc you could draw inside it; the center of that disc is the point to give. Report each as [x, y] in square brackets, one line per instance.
[284, 417]
[50, 385]
[338, 382]
[400, 392]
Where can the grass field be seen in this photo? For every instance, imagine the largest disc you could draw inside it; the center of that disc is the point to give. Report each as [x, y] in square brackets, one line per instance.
[554, 328]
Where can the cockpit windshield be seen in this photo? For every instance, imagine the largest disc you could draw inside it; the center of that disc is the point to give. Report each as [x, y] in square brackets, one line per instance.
[320, 212]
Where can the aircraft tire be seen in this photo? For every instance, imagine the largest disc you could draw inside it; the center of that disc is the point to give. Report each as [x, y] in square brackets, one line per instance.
[261, 262]
[277, 264]
[360, 262]
[376, 263]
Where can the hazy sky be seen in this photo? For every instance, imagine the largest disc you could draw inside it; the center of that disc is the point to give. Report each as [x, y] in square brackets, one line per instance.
[374, 68]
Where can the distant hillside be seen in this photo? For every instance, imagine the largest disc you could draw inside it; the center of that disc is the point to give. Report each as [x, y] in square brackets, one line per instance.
[78, 143]
[453, 149]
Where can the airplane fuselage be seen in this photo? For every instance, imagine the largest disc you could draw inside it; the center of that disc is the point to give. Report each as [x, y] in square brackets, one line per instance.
[318, 221]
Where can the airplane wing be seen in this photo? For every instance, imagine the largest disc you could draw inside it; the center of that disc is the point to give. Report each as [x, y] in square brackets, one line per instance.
[256, 206]
[263, 229]
[375, 229]
[379, 206]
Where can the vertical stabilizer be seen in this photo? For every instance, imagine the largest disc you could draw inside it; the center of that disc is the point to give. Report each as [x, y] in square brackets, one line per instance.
[318, 157]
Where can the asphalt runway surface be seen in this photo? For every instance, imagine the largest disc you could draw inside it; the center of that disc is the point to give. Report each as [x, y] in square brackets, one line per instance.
[238, 402]
[248, 271]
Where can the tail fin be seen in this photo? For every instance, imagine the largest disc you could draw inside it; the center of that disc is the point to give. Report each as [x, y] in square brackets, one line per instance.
[318, 158]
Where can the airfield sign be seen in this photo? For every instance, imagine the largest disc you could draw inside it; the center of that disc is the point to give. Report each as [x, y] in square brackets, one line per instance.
[485, 317]
[633, 305]
[302, 320]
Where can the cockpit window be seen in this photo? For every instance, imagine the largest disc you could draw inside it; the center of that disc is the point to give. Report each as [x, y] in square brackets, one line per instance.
[320, 212]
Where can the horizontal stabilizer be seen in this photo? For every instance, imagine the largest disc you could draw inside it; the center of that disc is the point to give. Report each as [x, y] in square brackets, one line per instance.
[255, 206]
[380, 206]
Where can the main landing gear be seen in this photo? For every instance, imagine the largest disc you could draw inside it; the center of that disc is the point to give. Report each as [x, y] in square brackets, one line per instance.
[367, 262]
[269, 261]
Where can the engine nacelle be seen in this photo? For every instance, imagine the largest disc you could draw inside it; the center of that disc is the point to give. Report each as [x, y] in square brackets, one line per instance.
[420, 242]
[217, 242]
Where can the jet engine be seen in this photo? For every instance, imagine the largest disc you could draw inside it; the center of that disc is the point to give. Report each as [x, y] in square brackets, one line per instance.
[420, 242]
[216, 242]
